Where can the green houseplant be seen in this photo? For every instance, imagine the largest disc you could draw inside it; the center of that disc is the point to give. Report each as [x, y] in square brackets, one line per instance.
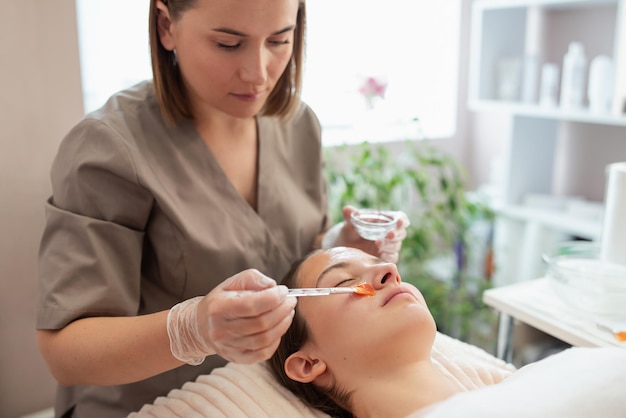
[437, 254]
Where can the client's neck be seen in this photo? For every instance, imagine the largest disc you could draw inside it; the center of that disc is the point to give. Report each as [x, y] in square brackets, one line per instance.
[402, 391]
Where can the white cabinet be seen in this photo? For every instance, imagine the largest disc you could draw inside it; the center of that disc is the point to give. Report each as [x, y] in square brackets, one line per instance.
[510, 41]
[509, 37]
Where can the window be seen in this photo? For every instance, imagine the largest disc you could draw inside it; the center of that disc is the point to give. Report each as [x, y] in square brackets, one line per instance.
[371, 70]
[113, 47]
[409, 46]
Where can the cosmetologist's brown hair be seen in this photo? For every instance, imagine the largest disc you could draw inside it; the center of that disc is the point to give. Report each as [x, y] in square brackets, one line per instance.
[170, 90]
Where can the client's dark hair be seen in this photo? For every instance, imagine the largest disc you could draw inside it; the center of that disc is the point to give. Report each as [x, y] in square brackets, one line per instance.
[327, 400]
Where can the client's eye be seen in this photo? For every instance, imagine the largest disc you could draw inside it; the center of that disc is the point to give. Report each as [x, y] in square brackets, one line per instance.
[345, 282]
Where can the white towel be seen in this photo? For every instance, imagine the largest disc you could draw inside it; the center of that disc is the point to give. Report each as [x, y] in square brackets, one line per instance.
[245, 391]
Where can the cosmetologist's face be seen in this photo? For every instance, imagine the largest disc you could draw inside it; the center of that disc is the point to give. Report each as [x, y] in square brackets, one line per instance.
[231, 53]
[355, 332]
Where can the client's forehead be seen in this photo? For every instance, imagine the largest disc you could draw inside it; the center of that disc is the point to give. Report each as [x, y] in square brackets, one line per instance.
[313, 266]
[343, 254]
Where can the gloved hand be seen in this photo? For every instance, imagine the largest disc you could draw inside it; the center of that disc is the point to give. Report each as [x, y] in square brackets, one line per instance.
[242, 320]
[388, 248]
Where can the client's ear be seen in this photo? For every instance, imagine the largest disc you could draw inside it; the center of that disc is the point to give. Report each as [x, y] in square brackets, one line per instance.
[303, 368]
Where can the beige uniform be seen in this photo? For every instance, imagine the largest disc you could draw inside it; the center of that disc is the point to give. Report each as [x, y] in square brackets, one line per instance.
[142, 217]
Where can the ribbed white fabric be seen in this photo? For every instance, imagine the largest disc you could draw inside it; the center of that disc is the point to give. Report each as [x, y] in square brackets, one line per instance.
[244, 390]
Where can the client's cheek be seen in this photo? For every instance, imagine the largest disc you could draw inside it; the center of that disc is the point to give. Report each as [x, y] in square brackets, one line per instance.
[335, 325]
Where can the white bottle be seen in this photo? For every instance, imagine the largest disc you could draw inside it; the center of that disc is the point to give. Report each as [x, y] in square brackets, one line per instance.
[574, 75]
[549, 85]
[600, 86]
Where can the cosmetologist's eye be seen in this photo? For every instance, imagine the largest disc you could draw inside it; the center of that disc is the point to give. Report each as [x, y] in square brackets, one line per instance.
[228, 47]
[279, 41]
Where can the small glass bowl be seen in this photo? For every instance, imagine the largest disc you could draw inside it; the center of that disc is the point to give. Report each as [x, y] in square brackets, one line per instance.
[372, 224]
[584, 281]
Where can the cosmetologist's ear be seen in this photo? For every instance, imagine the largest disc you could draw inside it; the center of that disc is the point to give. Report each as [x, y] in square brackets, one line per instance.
[302, 368]
[164, 26]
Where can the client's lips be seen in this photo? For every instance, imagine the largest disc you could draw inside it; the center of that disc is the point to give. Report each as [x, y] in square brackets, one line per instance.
[395, 292]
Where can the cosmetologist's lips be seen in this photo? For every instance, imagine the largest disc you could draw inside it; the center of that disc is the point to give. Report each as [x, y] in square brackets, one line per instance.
[249, 97]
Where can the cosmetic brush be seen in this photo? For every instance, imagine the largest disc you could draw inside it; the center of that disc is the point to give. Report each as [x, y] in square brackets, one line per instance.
[362, 289]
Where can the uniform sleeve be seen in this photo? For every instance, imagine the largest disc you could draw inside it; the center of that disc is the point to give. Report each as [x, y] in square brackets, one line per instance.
[90, 252]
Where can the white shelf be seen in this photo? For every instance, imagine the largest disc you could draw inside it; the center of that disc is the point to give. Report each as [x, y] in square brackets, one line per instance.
[504, 31]
[555, 219]
[535, 111]
[554, 4]
[510, 34]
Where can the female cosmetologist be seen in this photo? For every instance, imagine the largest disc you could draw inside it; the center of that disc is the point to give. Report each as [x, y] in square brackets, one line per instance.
[175, 195]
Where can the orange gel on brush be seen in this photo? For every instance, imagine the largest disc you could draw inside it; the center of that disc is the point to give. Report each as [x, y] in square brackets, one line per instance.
[617, 333]
[364, 289]
[621, 336]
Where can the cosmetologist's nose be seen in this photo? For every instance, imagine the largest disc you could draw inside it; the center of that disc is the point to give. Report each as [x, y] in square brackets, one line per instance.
[253, 69]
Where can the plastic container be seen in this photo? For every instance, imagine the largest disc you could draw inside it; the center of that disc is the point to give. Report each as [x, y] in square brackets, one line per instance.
[600, 86]
[574, 75]
[529, 83]
[372, 224]
[585, 282]
[549, 85]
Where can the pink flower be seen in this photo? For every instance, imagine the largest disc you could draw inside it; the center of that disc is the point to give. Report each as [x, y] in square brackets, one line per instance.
[372, 87]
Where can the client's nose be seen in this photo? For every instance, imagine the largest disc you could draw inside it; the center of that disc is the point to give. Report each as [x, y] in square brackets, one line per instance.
[386, 276]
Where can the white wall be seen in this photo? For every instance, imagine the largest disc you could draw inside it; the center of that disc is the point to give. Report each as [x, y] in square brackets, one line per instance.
[40, 100]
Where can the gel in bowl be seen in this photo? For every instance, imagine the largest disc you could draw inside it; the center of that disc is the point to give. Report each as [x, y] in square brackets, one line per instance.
[586, 282]
[372, 224]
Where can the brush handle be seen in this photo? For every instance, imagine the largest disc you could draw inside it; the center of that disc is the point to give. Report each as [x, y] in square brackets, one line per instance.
[320, 291]
[617, 333]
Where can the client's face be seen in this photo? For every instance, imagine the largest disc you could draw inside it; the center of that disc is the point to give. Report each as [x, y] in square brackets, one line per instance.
[351, 333]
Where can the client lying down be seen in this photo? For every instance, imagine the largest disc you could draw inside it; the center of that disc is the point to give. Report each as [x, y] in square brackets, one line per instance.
[370, 356]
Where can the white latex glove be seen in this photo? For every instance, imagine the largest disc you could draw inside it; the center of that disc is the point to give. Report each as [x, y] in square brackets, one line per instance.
[388, 248]
[242, 320]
